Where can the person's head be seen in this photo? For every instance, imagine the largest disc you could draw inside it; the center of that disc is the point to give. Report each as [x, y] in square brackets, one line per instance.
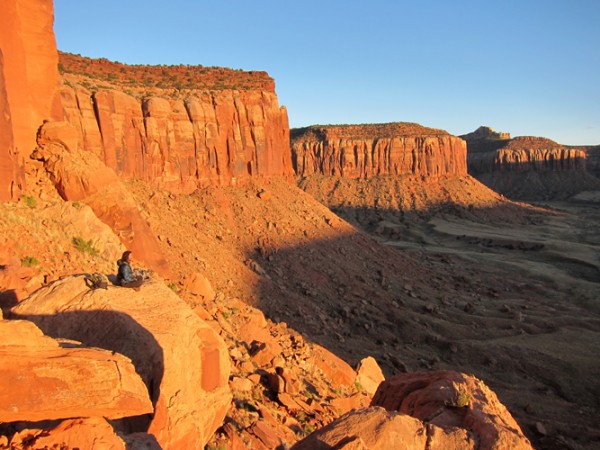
[126, 256]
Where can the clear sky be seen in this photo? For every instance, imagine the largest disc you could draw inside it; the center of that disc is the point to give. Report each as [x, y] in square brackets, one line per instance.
[528, 67]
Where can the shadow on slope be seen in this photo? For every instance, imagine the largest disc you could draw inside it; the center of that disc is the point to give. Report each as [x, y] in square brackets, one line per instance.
[433, 307]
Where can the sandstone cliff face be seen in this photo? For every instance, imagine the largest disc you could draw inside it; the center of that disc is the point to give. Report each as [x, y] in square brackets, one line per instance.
[364, 151]
[217, 137]
[530, 167]
[28, 82]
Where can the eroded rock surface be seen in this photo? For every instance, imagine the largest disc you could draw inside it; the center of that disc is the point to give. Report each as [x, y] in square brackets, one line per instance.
[182, 361]
[364, 151]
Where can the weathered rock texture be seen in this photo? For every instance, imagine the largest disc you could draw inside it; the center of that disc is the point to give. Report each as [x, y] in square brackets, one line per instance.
[528, 167]
[364, 151]
[28, 83]
[182, 361]
[41, 380]
[450, 399]
[375, 428]
[211, 137]
[81, 176]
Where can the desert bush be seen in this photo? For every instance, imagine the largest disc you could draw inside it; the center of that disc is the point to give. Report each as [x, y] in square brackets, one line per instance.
[29, 261]
[84, 246]
[29, 201]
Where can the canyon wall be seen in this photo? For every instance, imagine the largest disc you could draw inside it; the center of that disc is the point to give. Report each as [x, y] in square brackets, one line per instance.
[365, 151]
[529, 167]
[210, 137]
[28, 82]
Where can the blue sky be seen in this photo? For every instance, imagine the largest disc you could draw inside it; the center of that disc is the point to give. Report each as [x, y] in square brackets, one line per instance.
[528, 67]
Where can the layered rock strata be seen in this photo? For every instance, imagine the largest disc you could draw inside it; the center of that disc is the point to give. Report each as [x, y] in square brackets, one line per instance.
[528, 167]
[364, 151]
[183, 362]
[211, 137]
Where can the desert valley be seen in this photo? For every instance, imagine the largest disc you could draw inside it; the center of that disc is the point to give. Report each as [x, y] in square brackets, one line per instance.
[367, 286]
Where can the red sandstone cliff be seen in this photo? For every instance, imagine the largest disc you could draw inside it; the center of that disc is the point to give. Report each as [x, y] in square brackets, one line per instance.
[364, 151]
[529, 167]
[210, 137]
[28, 82]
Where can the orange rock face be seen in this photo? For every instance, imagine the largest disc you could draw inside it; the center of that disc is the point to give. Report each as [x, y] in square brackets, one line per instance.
[81, 176]
[38, 373]
[28, 82]
[529, 167]
[450, 399]
[364, 151]
[221, 137]
[182, 361]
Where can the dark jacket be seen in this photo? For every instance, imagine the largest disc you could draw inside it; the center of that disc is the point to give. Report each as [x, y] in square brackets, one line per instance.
[125, 274]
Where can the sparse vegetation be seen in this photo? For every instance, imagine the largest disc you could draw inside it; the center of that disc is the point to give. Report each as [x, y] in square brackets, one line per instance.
[461, 399]
[84, 246]
[173, 287]
[358, 386]
[29, 201]
[29, 261]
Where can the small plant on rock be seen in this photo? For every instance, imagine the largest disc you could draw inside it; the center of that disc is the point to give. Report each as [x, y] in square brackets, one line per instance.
[29, 201]
[461, 399]
[84, 246]
[29, 261]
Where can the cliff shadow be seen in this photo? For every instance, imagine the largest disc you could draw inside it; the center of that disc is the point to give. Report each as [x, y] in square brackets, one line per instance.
[436, 304]
[117, 332]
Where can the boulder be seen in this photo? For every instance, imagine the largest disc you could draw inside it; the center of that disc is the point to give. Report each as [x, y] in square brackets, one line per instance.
[197, 285]
[334, 368]
[369, 375]
[43, 381]
[451, 399]
[183, 362]
[371, 428]
[93, 433]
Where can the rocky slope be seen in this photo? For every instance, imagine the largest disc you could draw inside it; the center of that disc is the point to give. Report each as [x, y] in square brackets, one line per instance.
[531, 168]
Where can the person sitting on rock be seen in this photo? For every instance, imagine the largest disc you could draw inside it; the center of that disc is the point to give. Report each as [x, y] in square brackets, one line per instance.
[125, 276]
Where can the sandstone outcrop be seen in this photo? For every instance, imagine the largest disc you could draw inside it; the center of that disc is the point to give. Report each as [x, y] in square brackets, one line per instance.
[528, 167]
[37, 374]
[216, 137]
[28, 83]
[81, 176]
[450, 399]
[182, 361]
[375, 428]
[364, 151]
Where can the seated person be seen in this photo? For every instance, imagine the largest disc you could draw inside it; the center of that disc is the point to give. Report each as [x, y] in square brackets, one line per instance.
[125, 275]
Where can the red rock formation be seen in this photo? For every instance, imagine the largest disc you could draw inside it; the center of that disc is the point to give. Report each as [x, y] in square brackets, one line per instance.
[28, 82]
[83, 177]
[183, 362]
[529, 167]
[375, 428]
[37, 374]
[217, 137]
[451, 399]
[364, 151]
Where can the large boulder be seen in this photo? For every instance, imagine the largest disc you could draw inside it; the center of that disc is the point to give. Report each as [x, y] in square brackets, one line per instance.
[183, 362]
[375, 428]
[41, 380]
[451, 399]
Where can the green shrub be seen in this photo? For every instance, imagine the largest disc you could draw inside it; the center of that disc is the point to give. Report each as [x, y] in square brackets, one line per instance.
[84, 246]
[29, 201]
[29, 261]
